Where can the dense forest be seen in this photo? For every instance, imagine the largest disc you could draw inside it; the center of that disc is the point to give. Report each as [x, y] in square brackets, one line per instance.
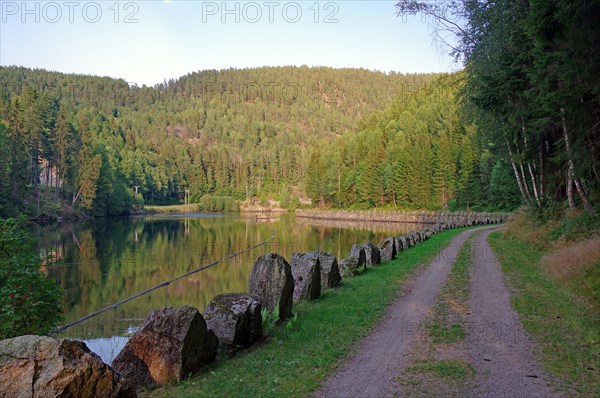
[520, 124]
[532, 88]
[345, 137]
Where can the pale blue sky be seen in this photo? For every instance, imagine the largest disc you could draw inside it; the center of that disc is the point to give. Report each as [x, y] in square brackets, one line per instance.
[145, 42]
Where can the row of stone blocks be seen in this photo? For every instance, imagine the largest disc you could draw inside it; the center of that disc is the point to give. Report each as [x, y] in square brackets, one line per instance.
[173, 343]
[466, 217]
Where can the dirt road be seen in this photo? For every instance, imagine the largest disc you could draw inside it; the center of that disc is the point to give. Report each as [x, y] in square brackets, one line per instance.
[496, 346]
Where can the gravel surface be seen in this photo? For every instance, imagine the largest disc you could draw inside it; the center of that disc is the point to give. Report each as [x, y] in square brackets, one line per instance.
[373, 369]
[496, 346]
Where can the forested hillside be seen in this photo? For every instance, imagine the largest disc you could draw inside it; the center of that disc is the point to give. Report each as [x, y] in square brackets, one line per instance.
[346, 137]
[417, 153]
[532, 88]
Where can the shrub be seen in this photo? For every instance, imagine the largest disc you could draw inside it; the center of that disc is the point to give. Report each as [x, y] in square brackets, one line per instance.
[217, 204]
[29, 302]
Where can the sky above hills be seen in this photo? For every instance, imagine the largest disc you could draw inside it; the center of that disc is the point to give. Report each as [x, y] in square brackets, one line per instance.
[145, 42]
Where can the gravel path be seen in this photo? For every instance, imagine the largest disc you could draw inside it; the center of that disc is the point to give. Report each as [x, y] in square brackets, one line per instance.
[497, 345]
[372, 370]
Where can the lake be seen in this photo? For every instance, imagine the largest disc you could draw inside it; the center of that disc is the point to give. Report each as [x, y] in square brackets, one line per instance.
[103, 261]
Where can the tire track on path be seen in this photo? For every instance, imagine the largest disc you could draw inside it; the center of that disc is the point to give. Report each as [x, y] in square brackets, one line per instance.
[372, 370]
[497, 345]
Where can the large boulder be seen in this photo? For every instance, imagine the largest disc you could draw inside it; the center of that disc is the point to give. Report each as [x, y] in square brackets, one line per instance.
[400, 243]
[306, 271]
[272, 282]
[40, 366]
[415, 236]
[387, 249]
[171, 344]
[330, 271]
[372, 254]
[235, 319]
[355, 260]
[427, 234]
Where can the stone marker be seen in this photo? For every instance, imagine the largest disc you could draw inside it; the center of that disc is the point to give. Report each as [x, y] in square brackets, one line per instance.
[355, 260]
[306, 270]
[171, 344]
[372, 254]
[330, 271]
[387, 249]
[400, 244]
[235, 319]
[40, 366]
[272, 282]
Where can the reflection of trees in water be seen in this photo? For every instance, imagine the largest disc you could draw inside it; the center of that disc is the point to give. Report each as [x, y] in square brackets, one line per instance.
[105, 261]
[393, 228]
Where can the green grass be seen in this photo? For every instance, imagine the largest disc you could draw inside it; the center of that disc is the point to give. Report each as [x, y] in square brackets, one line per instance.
[453, 369]
[444, 378]
[297, 358]
[578, 227]
[434, 372]
[172, 209]
[565, 327]
[442, 332]
[452, 302]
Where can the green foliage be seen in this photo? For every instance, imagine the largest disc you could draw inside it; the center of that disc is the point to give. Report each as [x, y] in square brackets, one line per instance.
[503, 193]
[349, 142]
[416, 153]
[29, 302]
[287, 199]
[582, 226]
[207, 132]
[217, 204]
[269, 320]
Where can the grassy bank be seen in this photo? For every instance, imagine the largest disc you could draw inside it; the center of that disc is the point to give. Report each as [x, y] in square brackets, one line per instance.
[300, 354]
[172, 209]
[559, 309]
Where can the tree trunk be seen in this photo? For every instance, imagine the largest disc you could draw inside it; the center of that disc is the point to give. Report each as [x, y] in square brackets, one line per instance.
[584, 198]
[570, 189]
[531, 169]
[542, 188]
[533, 183]
[517, 176]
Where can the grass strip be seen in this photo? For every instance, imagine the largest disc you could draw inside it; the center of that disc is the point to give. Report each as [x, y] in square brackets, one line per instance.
[566, 329]
[302, 353]
[450, 369]
[445, 324]
[434, 372]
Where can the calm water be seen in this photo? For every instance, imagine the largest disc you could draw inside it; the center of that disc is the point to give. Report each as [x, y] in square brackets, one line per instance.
[105, 261]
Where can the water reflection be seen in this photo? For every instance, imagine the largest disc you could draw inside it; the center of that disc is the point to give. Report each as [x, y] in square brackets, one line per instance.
[104, 261]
